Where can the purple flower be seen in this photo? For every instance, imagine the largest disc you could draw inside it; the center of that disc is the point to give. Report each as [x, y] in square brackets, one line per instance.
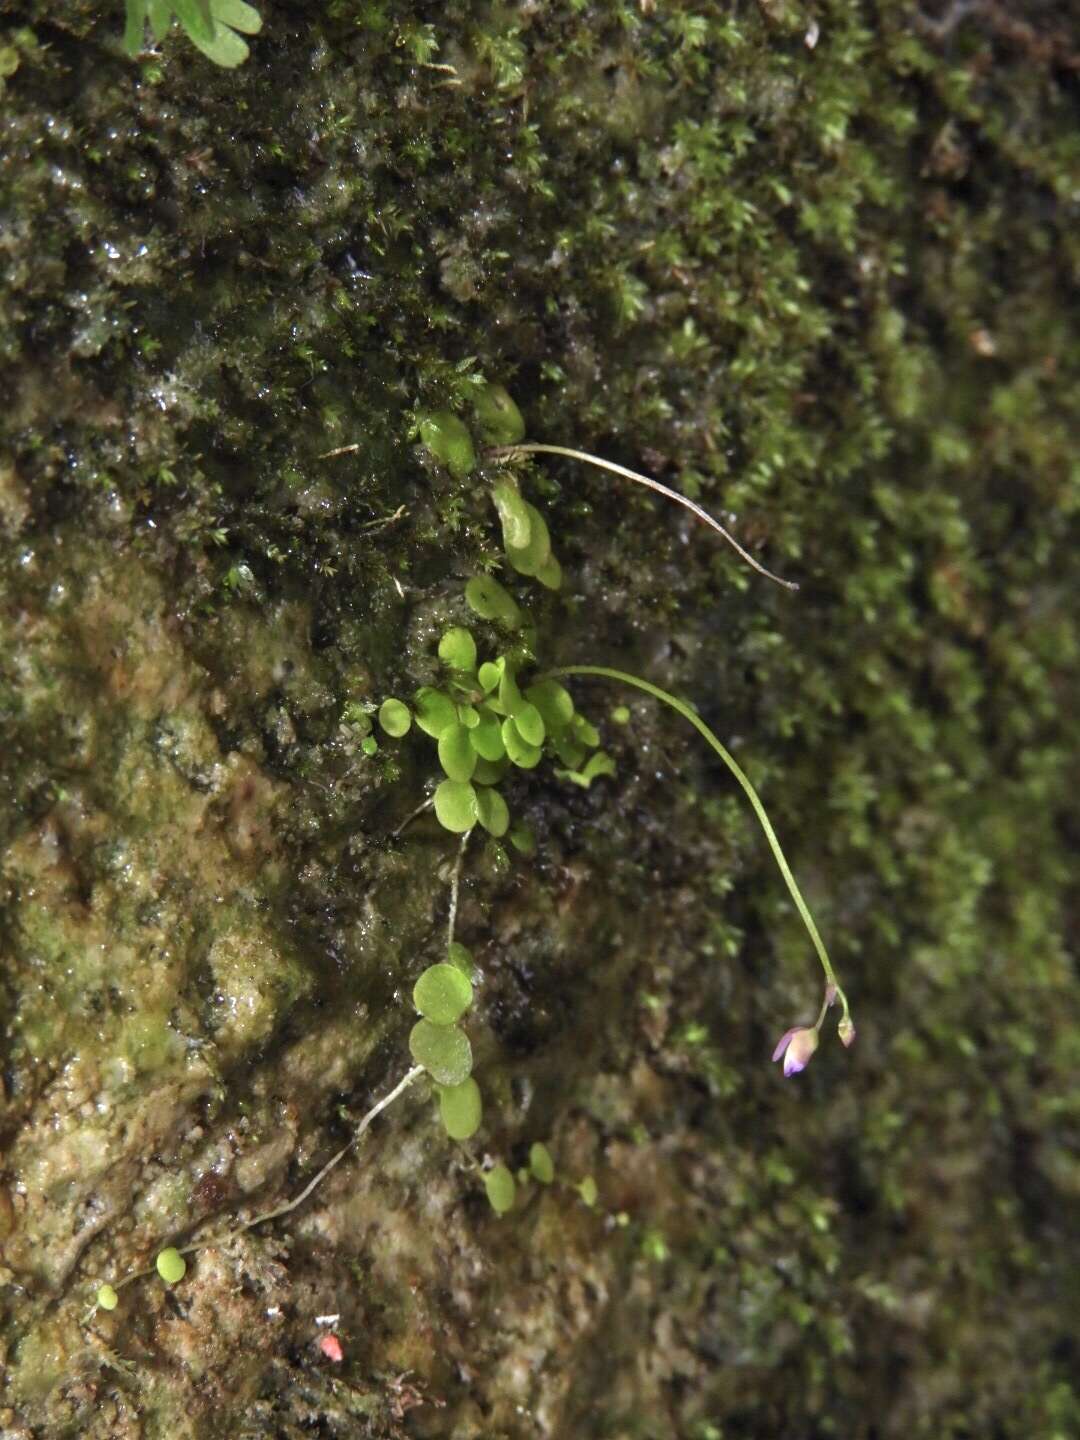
[797, 1045]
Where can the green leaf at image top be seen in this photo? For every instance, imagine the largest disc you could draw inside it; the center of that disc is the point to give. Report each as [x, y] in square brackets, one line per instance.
[455, 806]
[461, 1109]
[395, 718]
[443, 994]
[449, 441]
[500, 1187]
[457, 648]
[492, 602]
[443, 1050]
[194, 15]
[211, 25]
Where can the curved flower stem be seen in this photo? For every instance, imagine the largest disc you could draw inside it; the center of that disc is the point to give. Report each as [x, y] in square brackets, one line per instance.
[751, 794]
[507, 452]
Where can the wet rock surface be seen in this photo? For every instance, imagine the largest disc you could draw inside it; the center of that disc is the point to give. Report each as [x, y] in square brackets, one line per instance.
[814, 266]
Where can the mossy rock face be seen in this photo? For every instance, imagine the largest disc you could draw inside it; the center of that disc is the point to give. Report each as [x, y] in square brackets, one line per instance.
[813, 266]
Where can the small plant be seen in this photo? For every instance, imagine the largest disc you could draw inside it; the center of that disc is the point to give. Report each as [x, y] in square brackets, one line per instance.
[488, 719]
[216, 27]
[485, 720]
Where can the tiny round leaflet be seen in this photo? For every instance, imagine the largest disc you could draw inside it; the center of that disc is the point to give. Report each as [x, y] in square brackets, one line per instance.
[457, 648]
[500, 1187]
[455, 806]
[395, 718]
[461, 1109]
[541, 1163]
[443, 1050]
[171, 1265]
[442, 994]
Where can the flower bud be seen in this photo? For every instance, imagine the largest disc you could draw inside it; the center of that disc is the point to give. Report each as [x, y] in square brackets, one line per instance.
[846, 1030]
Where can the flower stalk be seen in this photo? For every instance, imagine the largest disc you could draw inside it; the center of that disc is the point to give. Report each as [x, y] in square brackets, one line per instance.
[833, 989]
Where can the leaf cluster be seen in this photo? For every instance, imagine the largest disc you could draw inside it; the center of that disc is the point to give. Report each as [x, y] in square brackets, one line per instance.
[216, 27]
[485, 723]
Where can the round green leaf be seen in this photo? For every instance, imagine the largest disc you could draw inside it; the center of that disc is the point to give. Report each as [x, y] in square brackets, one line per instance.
[107, 1298]
[529, 723]
[498, 418]
[487, 739]
[395, 717]
[469, 716]
[541, 1163]
[489, 675]
[455, 806]
[442, 994]
[554, 703]
[523, 754]
[171, 1265]
[456, 754]
[621, 715]
[434, 711]
[224, 47]
[458, 955]
[449, 441]
[369, 745]
[461, 1109]
[457, 648]
[494, 816]
[237, 14]
[443, 1050]
[500, 1187]
[492, 602]
[513, 514]
[510, 697]
[523, 839]
[490, 772]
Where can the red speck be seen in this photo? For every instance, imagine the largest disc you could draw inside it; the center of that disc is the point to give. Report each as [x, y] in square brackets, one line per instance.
[330, 1346]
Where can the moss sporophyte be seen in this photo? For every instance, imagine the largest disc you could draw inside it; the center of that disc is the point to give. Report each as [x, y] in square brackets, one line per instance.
[490, 716]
